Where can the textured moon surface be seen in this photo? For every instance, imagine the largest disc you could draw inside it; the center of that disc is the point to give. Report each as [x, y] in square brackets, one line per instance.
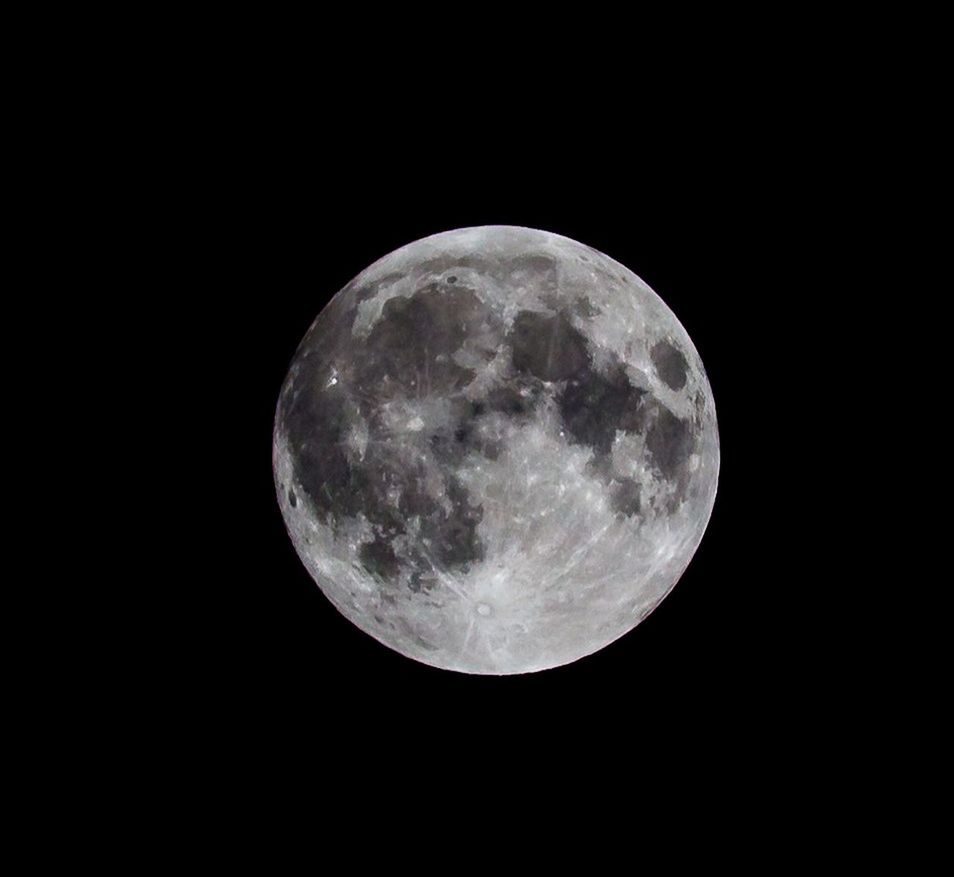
[496, 450]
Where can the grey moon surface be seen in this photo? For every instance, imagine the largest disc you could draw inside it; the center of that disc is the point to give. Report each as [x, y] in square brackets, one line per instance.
[496, 450]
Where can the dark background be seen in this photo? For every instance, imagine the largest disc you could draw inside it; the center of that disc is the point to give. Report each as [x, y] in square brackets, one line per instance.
[716, 224]
[245, 178]
[255, 174]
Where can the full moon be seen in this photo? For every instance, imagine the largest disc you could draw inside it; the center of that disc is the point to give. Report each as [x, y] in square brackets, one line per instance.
[496, 450]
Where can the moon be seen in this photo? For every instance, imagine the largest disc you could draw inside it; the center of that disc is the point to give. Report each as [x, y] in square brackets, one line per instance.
[496, 450]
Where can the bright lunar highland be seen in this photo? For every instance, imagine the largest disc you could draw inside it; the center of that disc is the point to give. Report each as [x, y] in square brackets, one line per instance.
[496, 450]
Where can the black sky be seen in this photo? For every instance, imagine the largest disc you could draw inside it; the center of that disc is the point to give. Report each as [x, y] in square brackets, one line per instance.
[715, 222]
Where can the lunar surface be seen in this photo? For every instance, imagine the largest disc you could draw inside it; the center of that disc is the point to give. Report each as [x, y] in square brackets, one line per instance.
[496, 450]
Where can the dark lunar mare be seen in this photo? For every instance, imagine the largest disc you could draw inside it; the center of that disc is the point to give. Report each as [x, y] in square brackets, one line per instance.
[408, 382]
[548, 347]
[670, 364]
[409, 354]
[626, 496]
[596, 403]
[409, 350]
